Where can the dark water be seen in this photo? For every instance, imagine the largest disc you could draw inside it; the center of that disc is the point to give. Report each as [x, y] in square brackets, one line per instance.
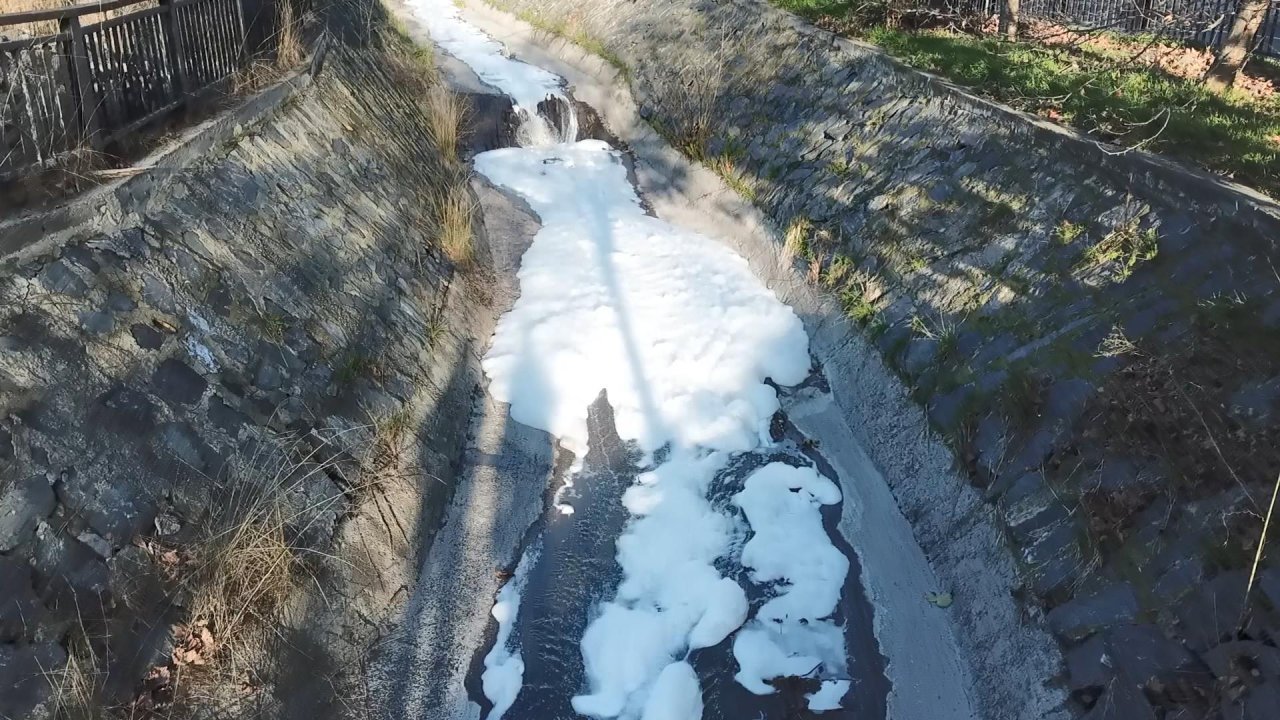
[577, 569]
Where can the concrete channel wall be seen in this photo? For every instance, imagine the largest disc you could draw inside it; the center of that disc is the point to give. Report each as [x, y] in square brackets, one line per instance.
[1093, 334]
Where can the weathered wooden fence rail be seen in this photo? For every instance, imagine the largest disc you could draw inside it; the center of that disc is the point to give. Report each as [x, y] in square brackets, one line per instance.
[93, 83]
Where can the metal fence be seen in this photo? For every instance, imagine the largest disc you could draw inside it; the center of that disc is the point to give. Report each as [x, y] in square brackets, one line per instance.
[1204, 22]
[92, 83]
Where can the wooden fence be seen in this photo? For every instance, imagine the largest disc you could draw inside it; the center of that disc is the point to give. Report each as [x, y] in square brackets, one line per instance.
[91, 84]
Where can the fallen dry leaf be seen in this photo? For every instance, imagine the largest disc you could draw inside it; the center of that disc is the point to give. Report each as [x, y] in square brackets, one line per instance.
[192, 645]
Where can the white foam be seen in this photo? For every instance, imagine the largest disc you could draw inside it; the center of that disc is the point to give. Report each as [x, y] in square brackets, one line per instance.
[675, 696]
[672, 599]
[527, 84]
[828, 696]
[673, 324]
[681, 334]
[792, 633]
[504, 665]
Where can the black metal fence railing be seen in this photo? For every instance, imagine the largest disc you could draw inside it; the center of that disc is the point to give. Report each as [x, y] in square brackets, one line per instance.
[94, 82]
[1203, 22]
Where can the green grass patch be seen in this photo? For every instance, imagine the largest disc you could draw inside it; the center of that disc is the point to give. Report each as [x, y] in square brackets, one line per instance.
[839, 272]
[1127, 245]
[856, 305]
[816, 7]
[840, 169]
[273, 326]
[836, 9]
[354, 367]
[1067, 232]
[726, 167]
[1231, 134]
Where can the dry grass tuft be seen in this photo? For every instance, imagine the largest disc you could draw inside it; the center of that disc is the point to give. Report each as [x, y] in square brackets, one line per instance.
[245, 562]
[253, 76]
[78, 685]
[795, 242]
[412, 67]
[232, 577]
[245, 570]
[694, 88]
[445, 115]
[444, 220]
[413, 70]
[290, 50]
[1116, 344]
[739, 181]
[814, 274]
[389, 450]
[73, 172]
[453, 209]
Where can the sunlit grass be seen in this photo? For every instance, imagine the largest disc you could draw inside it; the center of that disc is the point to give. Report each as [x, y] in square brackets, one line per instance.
[1124, 103]
[1138, 107]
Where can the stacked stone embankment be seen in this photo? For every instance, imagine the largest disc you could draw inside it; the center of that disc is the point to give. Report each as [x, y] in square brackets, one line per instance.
[271, 312]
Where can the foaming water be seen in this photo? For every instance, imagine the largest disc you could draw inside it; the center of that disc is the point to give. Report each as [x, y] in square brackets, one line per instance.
[527, 85]
[553, 122]
[648, 563]
[530, 88]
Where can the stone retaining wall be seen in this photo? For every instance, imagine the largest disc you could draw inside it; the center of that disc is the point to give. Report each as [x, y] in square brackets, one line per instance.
[1096, 334]
[273, 313]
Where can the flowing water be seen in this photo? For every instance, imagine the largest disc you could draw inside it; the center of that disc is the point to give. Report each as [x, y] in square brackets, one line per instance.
[690, 566]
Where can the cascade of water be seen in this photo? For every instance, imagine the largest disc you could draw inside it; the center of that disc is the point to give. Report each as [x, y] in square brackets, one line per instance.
[563, 116]
[533, 130]
[554, 121]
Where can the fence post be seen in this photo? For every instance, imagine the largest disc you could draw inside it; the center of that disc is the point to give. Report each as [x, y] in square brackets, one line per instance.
[173, 41]
[244, 35]
[86, 103]
[1144, 15]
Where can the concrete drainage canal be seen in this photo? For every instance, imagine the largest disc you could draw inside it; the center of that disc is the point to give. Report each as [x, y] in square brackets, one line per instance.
[660, 516]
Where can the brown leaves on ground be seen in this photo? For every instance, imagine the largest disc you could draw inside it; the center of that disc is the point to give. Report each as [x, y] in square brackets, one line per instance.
[155, 693]
[169, 560]
[1171, 410]
[1174, 411]
[193, 644]
[1189, 63]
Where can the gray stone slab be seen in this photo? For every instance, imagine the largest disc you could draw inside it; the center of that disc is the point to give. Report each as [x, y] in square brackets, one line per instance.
[1077, 619]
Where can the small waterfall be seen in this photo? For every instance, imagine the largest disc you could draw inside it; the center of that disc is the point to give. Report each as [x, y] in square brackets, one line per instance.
[554, 121]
